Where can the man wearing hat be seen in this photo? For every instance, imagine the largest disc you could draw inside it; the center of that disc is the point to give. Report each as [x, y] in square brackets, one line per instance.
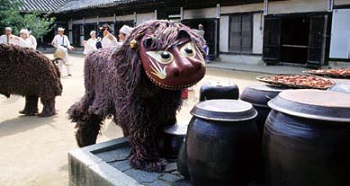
[13, 39]
[8, 37]
[61, 43]
[90, 44]
[200, 30]
[24, 40]
[124, 33]
[201, 33]
[108, 39]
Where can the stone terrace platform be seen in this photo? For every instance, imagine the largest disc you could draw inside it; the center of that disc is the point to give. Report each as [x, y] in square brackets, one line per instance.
[107, 164]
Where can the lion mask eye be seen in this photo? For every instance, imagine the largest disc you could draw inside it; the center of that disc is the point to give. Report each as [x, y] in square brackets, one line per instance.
[163, 57]
[188, 50]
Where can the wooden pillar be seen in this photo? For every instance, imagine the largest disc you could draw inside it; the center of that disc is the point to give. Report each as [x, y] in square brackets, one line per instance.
[266, 7]
[181, 13]
[135, 19]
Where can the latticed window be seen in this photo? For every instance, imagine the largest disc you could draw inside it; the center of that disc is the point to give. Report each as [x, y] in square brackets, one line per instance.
[241, 33]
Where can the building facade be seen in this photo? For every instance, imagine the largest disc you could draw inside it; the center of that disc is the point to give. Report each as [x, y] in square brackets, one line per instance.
[311, 33]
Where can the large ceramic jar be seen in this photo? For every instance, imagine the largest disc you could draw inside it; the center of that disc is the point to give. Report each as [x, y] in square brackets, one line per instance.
[258, 96]
[222, 144]
[171, 140]
[218, 91]
[307, 139]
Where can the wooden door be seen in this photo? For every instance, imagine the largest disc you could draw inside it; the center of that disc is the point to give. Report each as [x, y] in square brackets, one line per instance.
[76, 35]
[317, 40]
[272, 40]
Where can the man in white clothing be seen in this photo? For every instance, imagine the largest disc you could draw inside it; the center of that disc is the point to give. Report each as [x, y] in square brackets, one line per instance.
[108, 39]
[24, 40]
[32, 40]
[21, 41]
[90, 44]
[124, 33]
[201, 33]
[61, 43]
[8, 38]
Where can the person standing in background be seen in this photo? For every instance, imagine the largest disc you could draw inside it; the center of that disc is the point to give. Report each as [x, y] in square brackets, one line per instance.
[32, 40]
[62, 43]
[200, 31]
[90, 44]
[124, 33]
[24, 40]
[108, 39]
[8, 38]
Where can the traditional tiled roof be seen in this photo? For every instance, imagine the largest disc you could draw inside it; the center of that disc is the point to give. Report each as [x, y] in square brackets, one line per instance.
[85, 4]
[64, 6]
[43, 6]
[82, 4]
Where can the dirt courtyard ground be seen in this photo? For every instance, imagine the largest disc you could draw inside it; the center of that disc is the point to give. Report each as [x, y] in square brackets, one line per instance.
[34, 150]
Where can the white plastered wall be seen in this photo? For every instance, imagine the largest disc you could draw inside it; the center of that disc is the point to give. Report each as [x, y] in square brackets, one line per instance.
[341, 2]
[140, 18]
[283, 7]
[200, 13]
[224, 33]
[128, 17]
[297, 6]
[258, 32]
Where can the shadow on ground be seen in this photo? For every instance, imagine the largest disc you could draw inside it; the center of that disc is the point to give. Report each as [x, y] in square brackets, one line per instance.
[23, 124]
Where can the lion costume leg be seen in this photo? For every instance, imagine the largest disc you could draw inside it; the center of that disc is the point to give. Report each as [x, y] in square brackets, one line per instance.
[88, 124]
[141, 129]
[144, 153]
[48, 107]
[31, 106]
[142, 123]
[88, 128]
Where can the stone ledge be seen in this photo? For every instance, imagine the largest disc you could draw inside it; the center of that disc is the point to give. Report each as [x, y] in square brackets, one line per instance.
[107, 164]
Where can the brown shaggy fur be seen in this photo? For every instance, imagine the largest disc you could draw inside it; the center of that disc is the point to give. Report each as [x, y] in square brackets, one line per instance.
[29, 73]
[117, 85]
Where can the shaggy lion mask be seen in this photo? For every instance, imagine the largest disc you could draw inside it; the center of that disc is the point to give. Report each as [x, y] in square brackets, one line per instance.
[170, 52]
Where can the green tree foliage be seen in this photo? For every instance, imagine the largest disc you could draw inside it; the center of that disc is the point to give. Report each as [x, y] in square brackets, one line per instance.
[11, 16]
[40, 25]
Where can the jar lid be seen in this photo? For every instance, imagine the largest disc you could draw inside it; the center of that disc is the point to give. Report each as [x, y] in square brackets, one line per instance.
[219, 83]
[313, 104]
[341, 87]
[224, 110]
[176, 129]
[259, 95]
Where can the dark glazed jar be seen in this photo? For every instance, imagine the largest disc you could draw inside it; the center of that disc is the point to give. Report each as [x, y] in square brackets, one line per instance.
[222, 144]
[307, 139]
[171, 140]
[258, 96]
[218, 91]
[182, 161]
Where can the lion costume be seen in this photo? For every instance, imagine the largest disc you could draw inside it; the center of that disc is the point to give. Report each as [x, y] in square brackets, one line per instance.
[139, 85]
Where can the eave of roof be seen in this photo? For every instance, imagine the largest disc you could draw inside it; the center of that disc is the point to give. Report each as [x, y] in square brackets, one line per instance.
[42, 6]
[62, 7]
[77, 5]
